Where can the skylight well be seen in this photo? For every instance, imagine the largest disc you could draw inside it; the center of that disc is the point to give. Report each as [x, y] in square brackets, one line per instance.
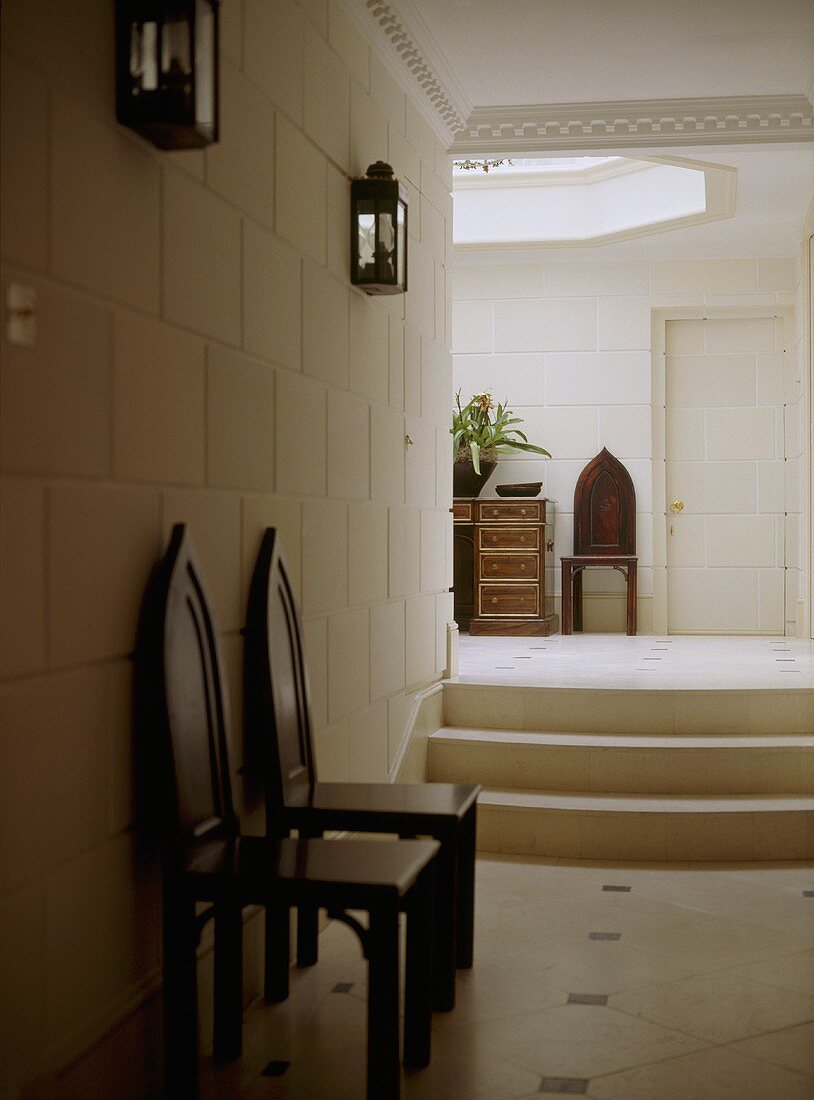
[572, 201]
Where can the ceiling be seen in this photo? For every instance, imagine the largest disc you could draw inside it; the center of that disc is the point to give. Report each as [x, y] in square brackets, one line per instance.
[575, 51]
[729, 82]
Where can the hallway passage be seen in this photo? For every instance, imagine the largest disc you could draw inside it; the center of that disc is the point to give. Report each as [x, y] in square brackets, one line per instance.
[613, 981]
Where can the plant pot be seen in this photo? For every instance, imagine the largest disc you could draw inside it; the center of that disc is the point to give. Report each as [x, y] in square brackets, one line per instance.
[466, 482]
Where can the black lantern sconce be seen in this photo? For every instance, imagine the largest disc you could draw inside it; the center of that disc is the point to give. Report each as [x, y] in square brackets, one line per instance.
[167, 70]
[378, 232]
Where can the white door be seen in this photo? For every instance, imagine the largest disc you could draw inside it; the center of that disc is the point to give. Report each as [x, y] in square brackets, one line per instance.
[724, 476]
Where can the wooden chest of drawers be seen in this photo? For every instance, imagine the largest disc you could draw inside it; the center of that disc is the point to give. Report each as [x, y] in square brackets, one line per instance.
[502, 549]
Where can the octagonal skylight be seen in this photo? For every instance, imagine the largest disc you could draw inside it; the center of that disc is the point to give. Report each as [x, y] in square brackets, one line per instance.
[566, 202]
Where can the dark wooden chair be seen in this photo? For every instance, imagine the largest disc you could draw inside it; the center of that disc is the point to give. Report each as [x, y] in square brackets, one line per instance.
[277, 725]
[182, 722]
[604, 535]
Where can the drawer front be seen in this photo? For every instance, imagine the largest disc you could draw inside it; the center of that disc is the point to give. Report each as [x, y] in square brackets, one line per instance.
[462, 511]
[509, 538]
[509, 600]
[496, 511]
[519, 567]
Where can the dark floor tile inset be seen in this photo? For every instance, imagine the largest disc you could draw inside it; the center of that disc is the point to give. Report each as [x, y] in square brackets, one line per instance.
[275, 1069]
[572, 1086]
[342, 987]
[509, 667]
[651, 658]
[604, 935]
[617, 889]
[808, 893]
[587, 998]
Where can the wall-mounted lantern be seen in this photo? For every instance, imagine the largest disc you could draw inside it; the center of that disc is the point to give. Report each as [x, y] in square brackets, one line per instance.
[167, 70]
[378, 232]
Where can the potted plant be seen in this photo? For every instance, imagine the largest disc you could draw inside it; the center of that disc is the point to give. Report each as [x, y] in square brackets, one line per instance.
[480, 432]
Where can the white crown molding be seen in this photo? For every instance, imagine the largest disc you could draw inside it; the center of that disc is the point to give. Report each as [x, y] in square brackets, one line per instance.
[409, 48]
[639, 124]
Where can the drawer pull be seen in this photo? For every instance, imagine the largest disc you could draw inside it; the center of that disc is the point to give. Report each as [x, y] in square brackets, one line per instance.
[522, 565]
[522, 538]
[522, 511]
[494, 599]
[495, 565]
[494, 538]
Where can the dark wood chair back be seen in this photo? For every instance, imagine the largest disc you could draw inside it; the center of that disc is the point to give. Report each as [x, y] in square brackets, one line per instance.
[182, 703]
[276, 707]
[604, 508]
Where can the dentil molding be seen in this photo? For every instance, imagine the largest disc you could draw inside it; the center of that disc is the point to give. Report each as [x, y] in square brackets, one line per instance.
[549, 128]
[639, 124]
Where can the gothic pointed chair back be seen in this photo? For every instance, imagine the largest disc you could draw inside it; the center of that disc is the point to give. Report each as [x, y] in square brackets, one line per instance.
[276, 707]
[604, 508]
[182, 705]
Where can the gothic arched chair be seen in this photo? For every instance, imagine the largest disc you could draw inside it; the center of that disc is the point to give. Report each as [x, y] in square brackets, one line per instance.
[277, 727]
[182, 724]
[604, 535]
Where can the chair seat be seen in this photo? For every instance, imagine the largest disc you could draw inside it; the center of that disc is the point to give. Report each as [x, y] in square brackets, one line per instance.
[600, 559]
[256, 868]
[351, 805]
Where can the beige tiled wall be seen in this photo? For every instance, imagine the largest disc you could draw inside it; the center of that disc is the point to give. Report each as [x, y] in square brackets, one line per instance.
[200, 356]
[569, 344]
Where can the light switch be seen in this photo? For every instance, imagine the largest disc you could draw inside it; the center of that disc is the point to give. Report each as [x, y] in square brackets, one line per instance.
[21, 314]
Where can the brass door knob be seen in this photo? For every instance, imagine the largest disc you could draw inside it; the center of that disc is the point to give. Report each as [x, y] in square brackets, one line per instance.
[677, 506]
[549, 545]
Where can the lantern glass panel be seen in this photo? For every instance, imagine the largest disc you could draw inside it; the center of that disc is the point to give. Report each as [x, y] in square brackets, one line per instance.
[387, 245]
[366, 237]
[401, 251]
[176, 55]
[143, 52]
[204, 64]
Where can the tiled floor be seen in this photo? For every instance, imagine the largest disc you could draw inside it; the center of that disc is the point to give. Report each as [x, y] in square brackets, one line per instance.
[614, 660]
[688, 982]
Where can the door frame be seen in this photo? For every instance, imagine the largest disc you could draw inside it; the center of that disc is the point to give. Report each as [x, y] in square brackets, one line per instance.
[660, 315]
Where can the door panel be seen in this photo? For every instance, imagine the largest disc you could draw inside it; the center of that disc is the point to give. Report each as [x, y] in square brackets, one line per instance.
[724, 465]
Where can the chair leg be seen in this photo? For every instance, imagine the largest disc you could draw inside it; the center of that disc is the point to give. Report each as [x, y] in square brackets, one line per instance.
[278, 953]
[180, 942]
[445, 921]
[383, 1068]
[307, 935]
[632, 585]
[466, 887]
[228, 1038]
[418, 980]
[565, 609]
[308, 921]
[577, 601]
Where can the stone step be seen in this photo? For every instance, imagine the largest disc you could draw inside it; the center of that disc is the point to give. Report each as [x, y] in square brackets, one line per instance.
[617, 711]
[624, 763]
[572, 825]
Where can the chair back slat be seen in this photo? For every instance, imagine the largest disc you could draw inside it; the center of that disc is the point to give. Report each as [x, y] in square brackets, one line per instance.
[276, 698]
[182, 700]
[604, 508]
